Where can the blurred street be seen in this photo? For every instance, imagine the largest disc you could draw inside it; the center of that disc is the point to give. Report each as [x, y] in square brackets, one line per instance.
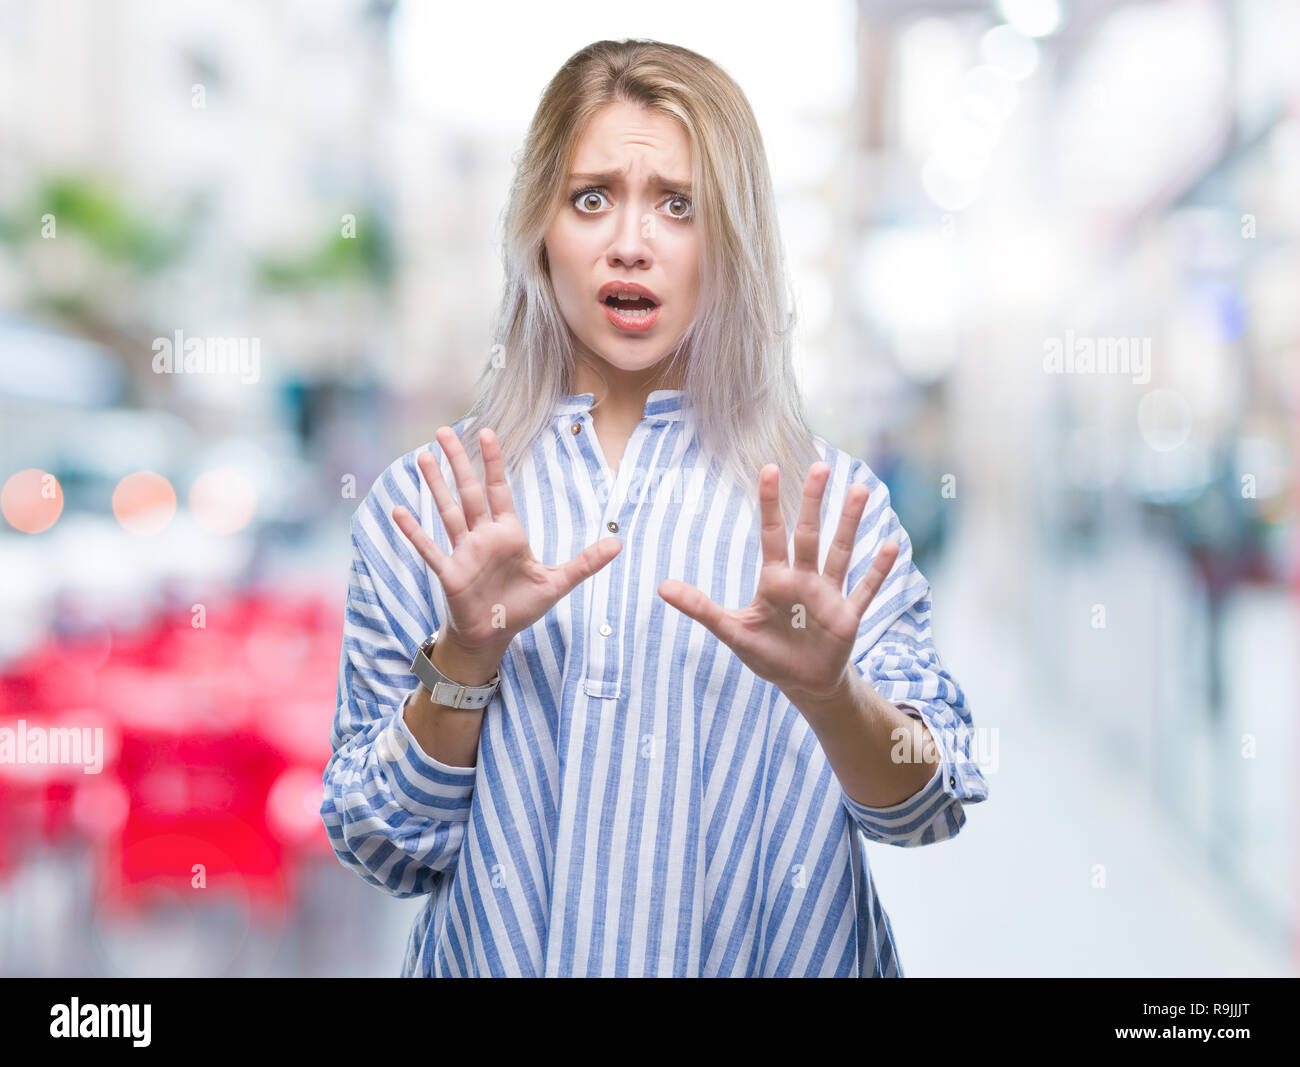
[1045, 258]
[1013, 893]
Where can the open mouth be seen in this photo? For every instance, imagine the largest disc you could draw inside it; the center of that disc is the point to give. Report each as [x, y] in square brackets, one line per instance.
[629, 306]
[635, 307]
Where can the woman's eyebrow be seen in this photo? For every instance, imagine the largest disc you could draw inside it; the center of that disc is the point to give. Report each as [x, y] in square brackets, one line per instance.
[614, 177]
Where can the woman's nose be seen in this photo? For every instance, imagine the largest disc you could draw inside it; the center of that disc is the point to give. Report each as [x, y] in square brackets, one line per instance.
[633, 234]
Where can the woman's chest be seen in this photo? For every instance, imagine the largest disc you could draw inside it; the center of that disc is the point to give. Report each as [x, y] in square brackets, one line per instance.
[671, 521]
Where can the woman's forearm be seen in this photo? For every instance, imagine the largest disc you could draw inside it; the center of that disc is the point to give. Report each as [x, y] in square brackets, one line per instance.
[860, 731]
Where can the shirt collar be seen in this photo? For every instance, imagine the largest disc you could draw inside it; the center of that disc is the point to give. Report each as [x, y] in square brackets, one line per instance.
[660, 404]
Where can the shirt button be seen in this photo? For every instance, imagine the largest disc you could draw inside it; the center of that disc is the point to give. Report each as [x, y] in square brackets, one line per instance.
[952, 780]
[606, 629]
[612, 527]
[576, 427]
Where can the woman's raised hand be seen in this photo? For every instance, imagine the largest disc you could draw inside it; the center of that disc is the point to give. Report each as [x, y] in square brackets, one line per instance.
[799, 630]
[493, 584]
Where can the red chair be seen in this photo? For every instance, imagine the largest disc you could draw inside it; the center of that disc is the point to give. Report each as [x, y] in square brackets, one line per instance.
[196, 822]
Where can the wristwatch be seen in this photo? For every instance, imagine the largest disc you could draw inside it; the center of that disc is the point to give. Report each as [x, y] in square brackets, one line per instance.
[442, 688]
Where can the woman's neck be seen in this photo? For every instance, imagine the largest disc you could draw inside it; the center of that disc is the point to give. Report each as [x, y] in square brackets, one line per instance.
[621, 396]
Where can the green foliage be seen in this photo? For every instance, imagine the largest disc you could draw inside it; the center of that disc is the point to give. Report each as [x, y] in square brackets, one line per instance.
[365, 258]
[105, 219]
[99, 214]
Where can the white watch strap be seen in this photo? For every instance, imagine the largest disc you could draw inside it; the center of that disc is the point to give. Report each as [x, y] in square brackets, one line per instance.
[444, 690]
[461, 696]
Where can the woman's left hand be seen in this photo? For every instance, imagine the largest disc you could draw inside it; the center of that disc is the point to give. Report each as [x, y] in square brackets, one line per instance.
[799, 630]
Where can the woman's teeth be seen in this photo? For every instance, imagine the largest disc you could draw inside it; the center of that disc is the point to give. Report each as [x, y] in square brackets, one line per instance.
[630, 303]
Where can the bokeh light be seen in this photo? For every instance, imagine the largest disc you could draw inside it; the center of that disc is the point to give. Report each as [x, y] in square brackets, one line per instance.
[223, 500]
[32, 500]
[144, 503]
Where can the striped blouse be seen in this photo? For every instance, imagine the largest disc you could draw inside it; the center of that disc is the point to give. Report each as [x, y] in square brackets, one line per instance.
[642, 803]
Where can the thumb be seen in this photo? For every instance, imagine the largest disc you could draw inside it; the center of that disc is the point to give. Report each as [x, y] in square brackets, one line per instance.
[586, 563]
[694, 604]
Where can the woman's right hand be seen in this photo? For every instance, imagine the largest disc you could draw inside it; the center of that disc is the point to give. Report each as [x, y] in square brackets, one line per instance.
[494, 586]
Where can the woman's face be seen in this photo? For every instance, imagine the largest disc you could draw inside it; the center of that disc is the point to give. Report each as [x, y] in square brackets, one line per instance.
[626, 218]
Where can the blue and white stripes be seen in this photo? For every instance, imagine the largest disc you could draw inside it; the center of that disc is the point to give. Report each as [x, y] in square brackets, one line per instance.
[642, 803]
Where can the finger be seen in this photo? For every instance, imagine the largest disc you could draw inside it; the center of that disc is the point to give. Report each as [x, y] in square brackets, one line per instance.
[773, 522]
[692, 602]
[586, 563]
[494, 471]
[424, 544]
[808, 527]
[874, 578]
[472, 501]
[841, 550]
[452, 519]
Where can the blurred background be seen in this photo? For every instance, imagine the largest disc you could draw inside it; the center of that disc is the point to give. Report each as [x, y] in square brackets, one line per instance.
[1046, 257]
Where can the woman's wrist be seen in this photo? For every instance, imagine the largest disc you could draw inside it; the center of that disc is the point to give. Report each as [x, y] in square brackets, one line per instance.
[462, 666]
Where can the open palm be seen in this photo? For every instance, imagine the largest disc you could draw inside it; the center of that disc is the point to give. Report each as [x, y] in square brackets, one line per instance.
[494, 585]
[799, 630]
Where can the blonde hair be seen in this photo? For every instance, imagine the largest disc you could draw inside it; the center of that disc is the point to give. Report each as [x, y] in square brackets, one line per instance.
[735, 358]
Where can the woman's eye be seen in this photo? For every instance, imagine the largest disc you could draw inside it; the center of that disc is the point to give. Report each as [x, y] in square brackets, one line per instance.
[684, 204]
[583, 200]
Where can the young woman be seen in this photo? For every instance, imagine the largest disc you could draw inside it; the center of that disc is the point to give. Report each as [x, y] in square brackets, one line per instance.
[651, 723]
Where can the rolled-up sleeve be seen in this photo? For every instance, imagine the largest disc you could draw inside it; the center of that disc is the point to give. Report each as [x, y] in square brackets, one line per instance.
[395, 815]
[895, 652]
